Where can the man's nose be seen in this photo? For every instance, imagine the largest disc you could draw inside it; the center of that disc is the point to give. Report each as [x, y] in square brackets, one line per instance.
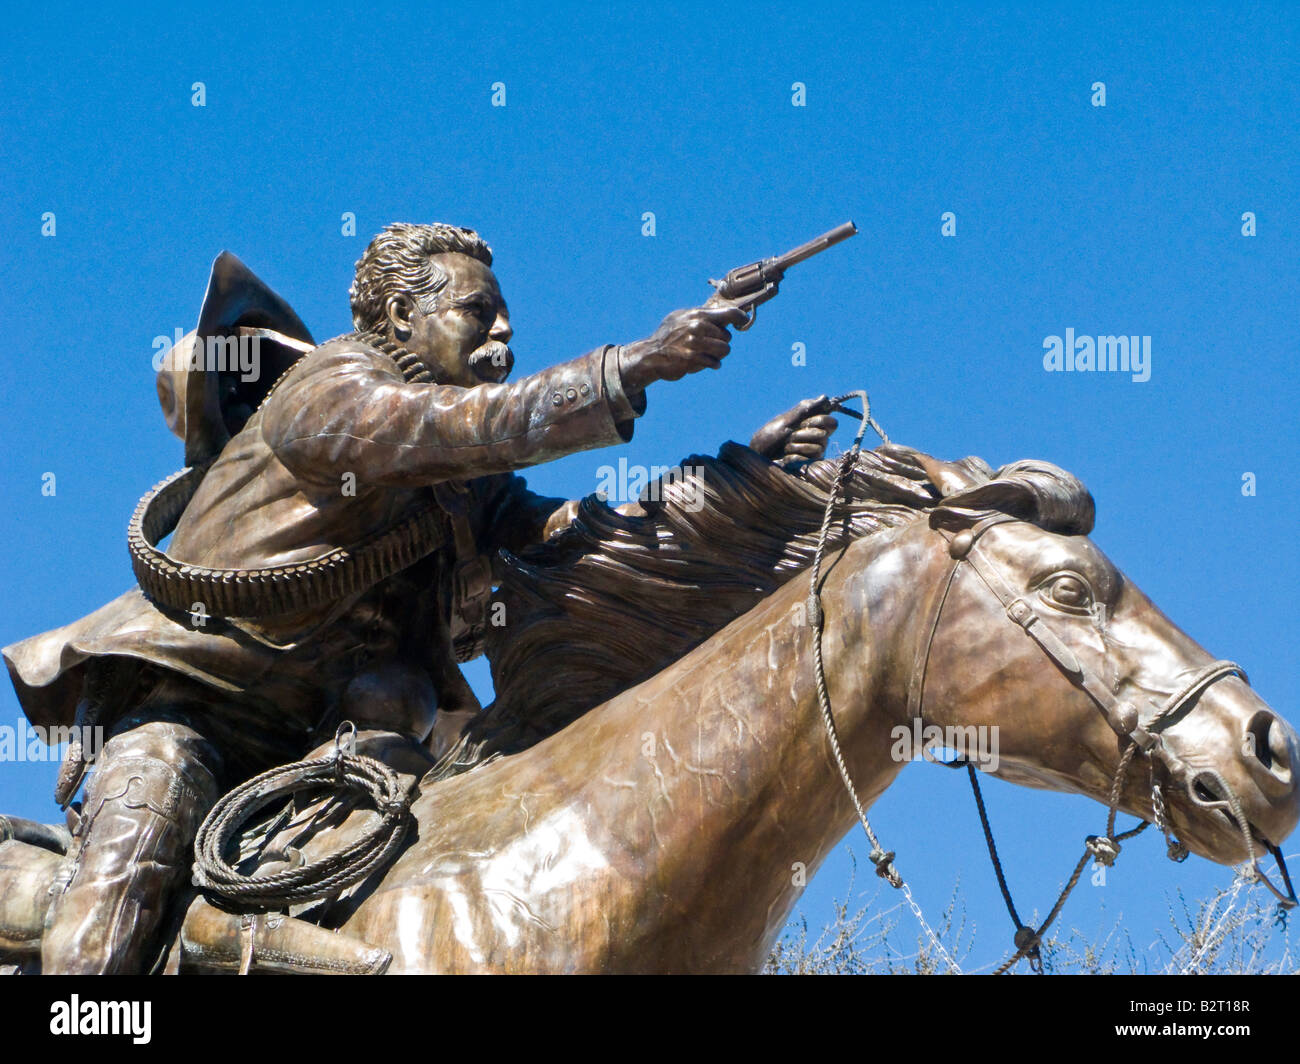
[501, 330]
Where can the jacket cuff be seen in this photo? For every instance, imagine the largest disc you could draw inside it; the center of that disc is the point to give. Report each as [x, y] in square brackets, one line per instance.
[623, 407]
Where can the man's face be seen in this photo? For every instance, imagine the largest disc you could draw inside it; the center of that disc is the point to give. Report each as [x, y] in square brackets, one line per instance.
[463, 338]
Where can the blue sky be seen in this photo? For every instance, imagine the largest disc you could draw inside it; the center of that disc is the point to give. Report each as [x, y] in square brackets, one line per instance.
[1123, 219]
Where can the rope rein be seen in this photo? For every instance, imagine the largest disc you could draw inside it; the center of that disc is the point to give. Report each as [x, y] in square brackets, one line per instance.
[881, 858]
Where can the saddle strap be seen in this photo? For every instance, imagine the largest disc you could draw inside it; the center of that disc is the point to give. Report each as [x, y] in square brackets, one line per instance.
[471, 575]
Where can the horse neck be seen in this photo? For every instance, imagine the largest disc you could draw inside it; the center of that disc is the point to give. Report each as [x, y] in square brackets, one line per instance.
[740, 758]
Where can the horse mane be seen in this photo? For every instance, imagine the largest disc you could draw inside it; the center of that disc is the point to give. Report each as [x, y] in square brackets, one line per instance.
[618, 596]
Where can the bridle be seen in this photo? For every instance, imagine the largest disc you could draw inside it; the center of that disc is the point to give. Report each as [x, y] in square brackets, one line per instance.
[1125, 719]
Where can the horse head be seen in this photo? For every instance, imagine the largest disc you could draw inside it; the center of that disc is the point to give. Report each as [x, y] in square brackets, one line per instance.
[1031, 630]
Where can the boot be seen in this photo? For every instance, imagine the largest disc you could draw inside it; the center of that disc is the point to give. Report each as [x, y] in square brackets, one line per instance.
[150, 790]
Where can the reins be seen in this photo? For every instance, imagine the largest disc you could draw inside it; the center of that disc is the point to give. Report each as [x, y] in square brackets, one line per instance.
[882, 859]
[1122, 716]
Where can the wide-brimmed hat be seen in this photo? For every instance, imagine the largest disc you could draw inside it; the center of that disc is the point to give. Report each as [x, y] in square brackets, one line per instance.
[205, 400]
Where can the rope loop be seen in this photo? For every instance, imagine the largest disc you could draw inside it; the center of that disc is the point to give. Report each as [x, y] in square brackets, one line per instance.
[340, 772]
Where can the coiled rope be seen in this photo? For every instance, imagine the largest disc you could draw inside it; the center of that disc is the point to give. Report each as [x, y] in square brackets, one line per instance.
[341, 771]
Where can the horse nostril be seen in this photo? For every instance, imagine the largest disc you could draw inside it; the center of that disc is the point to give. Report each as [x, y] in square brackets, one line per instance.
[1266, 740]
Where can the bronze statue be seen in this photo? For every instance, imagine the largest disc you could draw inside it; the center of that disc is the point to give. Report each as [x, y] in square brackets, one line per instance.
[653, 826]
[656, 761]
[331, 556]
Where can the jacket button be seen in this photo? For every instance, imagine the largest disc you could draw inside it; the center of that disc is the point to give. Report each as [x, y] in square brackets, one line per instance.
[585, 389]
[571, 394]
[557, 398]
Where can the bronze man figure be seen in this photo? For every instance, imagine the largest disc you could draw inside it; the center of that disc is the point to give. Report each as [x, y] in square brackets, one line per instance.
[333, 561]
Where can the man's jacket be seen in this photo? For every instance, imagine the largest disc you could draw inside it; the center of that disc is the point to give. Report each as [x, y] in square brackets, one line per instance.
[341, 447]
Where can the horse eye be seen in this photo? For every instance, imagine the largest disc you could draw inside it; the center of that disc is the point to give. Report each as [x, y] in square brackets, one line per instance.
[1070, 592]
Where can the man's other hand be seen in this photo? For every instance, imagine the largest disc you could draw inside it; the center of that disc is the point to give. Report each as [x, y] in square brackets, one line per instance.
[798, 435]
[687, 342]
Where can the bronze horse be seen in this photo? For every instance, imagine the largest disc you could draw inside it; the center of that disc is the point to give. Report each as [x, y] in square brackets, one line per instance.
[655, 764]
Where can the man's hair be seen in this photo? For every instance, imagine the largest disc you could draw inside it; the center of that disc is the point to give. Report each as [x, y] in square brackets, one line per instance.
[400, 261]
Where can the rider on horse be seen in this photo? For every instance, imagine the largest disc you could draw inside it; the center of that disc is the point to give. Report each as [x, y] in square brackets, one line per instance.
[332, 558]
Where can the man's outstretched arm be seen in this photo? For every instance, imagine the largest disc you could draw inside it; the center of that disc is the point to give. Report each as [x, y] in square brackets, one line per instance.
[347, 409]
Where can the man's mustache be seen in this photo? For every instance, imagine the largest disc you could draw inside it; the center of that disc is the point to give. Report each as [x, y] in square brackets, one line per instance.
[492, 362]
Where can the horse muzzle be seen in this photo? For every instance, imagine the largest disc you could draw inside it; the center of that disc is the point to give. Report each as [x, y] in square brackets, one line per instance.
[1254, 788]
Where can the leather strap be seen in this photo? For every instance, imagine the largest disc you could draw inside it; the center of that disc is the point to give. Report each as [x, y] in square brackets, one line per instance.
[1123, 717]
[471, 574]
[921, 660]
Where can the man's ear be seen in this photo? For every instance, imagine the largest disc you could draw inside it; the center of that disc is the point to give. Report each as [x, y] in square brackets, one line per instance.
[398, 309]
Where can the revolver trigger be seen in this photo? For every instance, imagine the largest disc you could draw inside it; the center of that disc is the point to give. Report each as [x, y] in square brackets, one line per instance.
[745, 304]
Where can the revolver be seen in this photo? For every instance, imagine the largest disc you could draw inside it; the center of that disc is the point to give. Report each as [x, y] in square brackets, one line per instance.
[748, 286]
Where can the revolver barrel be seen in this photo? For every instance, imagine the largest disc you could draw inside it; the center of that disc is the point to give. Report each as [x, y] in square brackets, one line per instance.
[756, 276]
[815, 246]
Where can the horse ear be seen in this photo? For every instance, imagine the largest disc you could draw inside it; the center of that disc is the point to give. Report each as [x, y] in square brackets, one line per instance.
[949, 477]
